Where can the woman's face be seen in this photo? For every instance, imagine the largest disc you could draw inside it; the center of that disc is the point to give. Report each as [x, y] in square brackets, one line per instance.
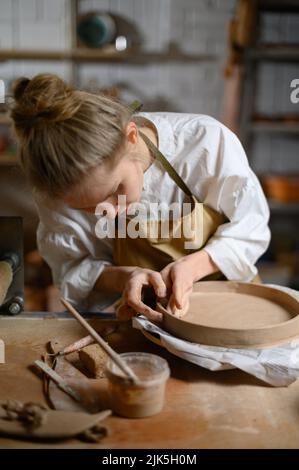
[106, 181]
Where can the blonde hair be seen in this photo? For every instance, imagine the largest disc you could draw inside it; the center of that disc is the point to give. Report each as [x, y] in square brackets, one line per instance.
[64, 132]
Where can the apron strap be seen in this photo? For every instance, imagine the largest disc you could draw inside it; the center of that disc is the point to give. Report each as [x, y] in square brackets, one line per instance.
[165, 163]
[136, 106]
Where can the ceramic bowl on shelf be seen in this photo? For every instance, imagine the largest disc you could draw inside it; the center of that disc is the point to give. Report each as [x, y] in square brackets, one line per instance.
[96, 29]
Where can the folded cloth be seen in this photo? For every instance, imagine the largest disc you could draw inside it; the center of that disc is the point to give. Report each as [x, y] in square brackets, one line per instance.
[277, 366]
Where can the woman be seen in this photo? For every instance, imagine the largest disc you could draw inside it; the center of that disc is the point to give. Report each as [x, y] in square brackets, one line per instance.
[80, 149]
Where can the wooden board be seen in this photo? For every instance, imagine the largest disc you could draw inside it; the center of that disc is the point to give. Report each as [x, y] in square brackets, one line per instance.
[202, 410]
[237, 315]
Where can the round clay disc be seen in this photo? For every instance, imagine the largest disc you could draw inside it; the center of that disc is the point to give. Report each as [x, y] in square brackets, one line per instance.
[235, 314]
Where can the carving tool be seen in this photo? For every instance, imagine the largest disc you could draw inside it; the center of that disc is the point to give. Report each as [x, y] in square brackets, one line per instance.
[58, 380]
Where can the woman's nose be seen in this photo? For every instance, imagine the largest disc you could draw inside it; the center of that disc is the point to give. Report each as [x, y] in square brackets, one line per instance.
[106, 210]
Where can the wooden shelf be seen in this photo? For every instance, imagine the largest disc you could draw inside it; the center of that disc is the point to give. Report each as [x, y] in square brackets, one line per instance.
[101, 55]
[72, 54]
[274, 53]
[8, 160]
[275, 127]
[285, 6]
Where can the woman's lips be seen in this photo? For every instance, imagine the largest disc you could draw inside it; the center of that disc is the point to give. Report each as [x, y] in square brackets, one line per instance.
[120, 210]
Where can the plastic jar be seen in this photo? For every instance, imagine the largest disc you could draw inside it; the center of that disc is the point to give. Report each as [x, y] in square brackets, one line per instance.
[145, 398]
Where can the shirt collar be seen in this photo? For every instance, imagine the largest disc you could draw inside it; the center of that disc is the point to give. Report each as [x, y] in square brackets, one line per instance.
[164, 130]
[165, 145]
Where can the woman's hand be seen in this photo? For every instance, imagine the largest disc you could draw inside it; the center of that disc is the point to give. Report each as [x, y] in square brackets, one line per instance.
[174, 284]
[180, 276]
[139, 279]
[179, 280]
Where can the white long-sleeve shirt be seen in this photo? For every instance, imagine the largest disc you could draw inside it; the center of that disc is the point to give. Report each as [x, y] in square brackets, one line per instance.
[213, 164]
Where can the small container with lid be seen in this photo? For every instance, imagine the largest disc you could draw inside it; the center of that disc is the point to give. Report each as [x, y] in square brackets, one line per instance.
[145, 398]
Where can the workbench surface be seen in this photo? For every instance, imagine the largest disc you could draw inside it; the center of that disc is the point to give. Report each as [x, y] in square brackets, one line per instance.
[227, 409]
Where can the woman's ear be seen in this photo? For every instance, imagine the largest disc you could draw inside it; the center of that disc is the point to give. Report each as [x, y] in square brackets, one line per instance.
[132, 132]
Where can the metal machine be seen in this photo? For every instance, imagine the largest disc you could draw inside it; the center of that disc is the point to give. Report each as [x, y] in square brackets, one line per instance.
[11, 266]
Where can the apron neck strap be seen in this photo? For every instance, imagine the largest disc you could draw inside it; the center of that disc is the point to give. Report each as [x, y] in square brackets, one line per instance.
[136, 106]
[165, 163]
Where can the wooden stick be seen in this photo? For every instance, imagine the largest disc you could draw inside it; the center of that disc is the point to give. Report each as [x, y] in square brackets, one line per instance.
[77, 345]
[110, 352]
[83, 342]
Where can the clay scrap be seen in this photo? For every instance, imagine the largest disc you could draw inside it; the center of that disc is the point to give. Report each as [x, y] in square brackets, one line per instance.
[94, 359]
[35, 421]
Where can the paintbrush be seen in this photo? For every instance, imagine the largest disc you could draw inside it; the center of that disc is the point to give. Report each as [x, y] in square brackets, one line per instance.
[109, 351]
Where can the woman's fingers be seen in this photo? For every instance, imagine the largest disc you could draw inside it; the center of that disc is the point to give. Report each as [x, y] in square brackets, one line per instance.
[181, 285]
[125, 312]
[176, 280]
[178, 291]
[165, 274]
[140, 307]
[153, 315]
[158, 284]
[181, 312]
[179, 308]
[177, 312]
[133, 293]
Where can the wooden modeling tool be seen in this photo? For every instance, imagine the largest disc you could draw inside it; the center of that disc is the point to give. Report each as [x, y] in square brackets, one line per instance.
[76, 346]
[110, 352]
[58, 380]
[83, 342]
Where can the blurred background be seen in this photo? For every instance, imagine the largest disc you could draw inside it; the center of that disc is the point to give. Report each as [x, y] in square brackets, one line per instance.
[236, 60]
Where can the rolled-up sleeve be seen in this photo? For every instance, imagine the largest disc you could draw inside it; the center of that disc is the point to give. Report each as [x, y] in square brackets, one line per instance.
[236, 192]
[76, 257]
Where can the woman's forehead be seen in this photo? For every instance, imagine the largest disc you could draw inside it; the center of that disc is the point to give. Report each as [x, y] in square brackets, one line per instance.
[88, 193]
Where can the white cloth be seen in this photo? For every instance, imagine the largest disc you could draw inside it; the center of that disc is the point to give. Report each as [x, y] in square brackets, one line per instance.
[277, 366]
[213, 164]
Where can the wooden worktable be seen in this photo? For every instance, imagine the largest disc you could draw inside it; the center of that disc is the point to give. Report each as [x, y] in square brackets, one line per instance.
[227, 409]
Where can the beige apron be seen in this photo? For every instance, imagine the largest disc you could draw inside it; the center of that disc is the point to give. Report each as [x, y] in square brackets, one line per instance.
[156, 252]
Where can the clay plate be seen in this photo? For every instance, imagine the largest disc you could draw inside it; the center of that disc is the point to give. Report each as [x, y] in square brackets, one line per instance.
[236, 315]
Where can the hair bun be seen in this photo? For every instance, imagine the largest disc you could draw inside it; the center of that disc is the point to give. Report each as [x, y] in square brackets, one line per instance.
[19, 87]
[44, 99]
